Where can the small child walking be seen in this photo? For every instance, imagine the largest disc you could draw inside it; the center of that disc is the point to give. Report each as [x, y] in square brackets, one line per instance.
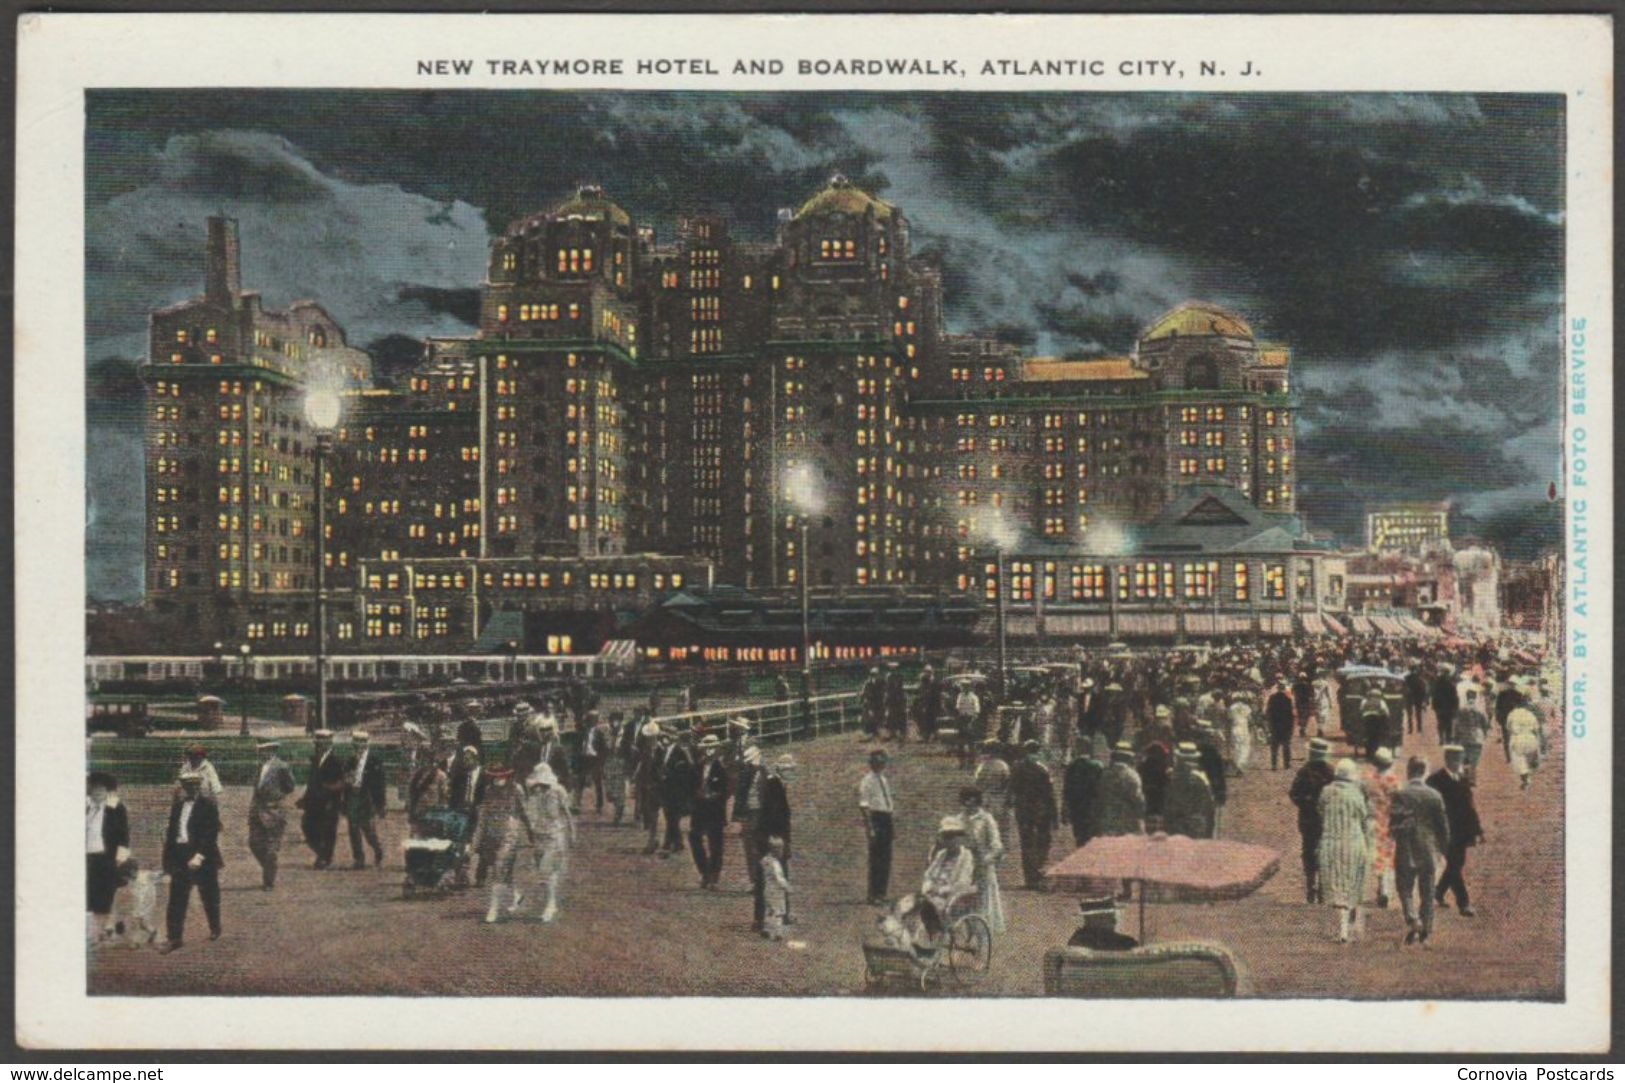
[775, 889]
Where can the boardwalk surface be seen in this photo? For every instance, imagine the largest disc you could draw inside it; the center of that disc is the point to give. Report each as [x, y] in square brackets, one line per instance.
[638, 926]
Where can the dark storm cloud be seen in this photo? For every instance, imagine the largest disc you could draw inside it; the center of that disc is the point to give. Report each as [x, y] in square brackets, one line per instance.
[1408, 247]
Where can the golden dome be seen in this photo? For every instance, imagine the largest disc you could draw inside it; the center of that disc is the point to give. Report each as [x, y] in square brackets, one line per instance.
[841, 196]
[1194, 319]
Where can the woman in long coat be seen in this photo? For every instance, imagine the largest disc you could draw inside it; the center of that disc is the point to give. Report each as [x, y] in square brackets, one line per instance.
[1346, 841]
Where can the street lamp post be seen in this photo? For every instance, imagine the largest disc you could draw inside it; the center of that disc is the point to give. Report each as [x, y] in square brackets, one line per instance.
[322, 407]
[513, 662]
[806, 618]
[246, 652]
[999, 588]
[806, 493]
[998, 530]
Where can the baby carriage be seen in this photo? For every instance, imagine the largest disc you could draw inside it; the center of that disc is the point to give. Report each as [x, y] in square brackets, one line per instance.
[918, 942]
[441, 845]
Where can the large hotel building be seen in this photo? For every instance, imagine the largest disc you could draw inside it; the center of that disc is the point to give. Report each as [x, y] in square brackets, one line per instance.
[620, 428]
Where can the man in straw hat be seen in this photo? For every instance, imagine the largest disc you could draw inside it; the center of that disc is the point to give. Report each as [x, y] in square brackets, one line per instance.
[645, 782]
[364, 798]
[324, 790]
[1188, 808]
[1122, 798]
[1312, 778]
[710, 816]
[192, 858]
[266, 820]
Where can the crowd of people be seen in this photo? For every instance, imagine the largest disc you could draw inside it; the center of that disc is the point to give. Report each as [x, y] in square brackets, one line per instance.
[1102, 743]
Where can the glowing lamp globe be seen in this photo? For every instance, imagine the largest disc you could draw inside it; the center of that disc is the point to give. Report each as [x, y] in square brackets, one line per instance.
[322, 409]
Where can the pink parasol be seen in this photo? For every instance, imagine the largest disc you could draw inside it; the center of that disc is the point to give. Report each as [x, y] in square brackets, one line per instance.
[1186, 869]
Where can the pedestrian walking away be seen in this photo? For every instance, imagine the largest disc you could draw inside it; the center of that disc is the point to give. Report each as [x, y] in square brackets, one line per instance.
[1345, 847]
[1312, 777]
[1421, 832]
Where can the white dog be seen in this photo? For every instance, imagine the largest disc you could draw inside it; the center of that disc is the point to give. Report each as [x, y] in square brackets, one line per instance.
[139, 922]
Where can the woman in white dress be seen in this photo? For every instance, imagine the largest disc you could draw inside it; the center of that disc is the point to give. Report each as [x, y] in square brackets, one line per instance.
[1241, 731]
[982, 834]
[546, 806]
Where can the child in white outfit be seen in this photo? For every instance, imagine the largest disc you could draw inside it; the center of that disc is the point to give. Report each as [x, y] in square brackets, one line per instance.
[775, 889]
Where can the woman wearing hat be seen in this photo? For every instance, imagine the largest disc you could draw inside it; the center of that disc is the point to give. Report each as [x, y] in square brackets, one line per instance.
[1346, 842]
[952, 870]
[107, 846]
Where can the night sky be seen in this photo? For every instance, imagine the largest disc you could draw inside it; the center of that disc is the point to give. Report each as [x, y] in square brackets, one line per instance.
[1408, 248]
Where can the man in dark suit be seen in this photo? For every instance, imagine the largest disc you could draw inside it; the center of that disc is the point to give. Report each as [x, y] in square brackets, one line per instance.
[468, 785]
[1313, 777]
[1446, 702]
[772, 821]
[710, 815]
[1032, 793]
[1080, 797]
[678, 778]
[364, 798]
[1279, 716]
[1465, 828]
[1420, 828]
[324, 791]
[192, 858]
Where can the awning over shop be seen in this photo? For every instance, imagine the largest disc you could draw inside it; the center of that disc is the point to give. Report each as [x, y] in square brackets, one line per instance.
[1077, 624]
[1313, 625]
[1361, 625]
[1335, 625]
[1389, 626]
[1275, 624]
[1217, 624]
[1146, 624]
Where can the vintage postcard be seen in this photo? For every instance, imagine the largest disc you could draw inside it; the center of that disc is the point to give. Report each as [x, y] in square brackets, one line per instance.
[816, 532]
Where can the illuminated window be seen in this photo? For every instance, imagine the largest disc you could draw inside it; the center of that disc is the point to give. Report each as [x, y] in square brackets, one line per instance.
[1241, 582]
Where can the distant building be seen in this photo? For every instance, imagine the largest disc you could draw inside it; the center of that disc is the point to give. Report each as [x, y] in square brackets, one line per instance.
[228, 472]
[1412, 527]
[630, 409]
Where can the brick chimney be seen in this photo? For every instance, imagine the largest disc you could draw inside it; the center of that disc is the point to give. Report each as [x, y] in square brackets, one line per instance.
[223, 277]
